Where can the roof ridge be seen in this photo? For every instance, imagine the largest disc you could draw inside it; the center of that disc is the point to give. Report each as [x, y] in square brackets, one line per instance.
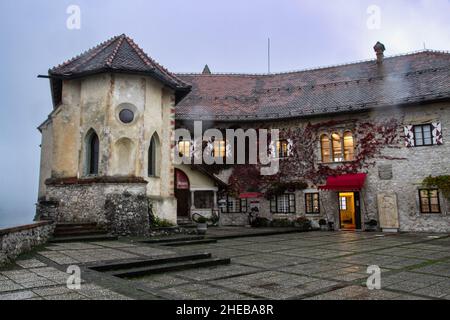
[152, 62]
[110, 60]
[101, 46]
[312, 68]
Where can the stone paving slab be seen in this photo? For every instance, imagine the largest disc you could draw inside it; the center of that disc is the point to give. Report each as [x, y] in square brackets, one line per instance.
[313, 265]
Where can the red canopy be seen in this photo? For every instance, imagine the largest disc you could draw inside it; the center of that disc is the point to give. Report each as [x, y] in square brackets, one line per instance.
[346, 182]
[250, 195]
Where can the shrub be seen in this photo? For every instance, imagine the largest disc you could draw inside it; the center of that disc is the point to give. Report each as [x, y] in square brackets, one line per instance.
[259, 222]
[157, 222]
[282, 223]
[303, 223]
[322, 222]
[201, 219]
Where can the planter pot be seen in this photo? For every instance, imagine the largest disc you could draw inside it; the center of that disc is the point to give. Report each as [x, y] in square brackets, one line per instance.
[201, 228]
[324, 227]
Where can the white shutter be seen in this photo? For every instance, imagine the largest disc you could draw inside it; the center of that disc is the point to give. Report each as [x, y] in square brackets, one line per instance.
[409, 136]
[437, 133]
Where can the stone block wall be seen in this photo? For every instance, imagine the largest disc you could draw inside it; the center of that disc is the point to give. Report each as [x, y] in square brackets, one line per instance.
[18, 240]
[122, 208]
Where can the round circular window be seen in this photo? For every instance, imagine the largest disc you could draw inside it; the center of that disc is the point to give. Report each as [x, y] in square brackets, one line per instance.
[126, 115]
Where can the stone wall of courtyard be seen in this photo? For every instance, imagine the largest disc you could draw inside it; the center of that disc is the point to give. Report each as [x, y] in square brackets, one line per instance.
[18, 240]
[121, 208]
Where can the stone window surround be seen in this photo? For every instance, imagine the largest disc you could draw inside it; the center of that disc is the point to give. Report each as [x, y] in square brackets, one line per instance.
[341, 132]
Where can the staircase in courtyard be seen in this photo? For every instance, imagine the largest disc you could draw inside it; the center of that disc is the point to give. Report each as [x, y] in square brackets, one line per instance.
[160, 265]
[89, 231]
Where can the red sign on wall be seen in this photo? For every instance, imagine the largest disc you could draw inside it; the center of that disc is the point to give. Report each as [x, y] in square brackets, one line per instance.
[182, 180]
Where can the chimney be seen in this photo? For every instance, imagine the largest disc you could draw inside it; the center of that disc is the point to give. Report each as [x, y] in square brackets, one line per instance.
[379, 49]
[206, 70]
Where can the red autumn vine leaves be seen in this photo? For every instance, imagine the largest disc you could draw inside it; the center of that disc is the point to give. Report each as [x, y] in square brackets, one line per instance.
[303, 166]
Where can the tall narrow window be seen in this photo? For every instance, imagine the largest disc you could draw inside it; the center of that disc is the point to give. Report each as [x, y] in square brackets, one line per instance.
[282, 148]
[92, 152]
[325, 148]
[184, 148]
[219, 149]
[312, 203]
[153, 156]
[349, 146]
[337, 147]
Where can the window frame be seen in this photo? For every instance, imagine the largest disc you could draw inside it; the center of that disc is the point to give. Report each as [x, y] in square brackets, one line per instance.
[429, 201]
[422, 134]
[242, 204]
[282, 148]
[312, 194]
[274, 204]
[222, 148]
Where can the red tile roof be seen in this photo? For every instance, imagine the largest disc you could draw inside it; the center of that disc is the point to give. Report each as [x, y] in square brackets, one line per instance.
[118, 54]
[405, 79]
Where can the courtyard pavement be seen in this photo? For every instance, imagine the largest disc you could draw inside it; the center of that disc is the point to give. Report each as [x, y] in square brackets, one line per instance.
[313, 265]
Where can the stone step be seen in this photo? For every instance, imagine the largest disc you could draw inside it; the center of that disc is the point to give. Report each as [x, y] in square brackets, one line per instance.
[148, 262]
[189, 242]
[173, 239]
[70, 233]
[175, 266]
[85, 238]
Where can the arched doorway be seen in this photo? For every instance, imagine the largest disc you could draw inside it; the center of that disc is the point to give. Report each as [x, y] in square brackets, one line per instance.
[182, 194]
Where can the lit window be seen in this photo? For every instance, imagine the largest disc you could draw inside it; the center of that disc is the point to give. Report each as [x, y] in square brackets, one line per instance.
[312, 203]
[184, 148]
[235, 205]
[282, 148]
[219, 149]
[325, 148]
[337, 147]
[423, 135]
[343, 203]
[283, 204]
[429, 201]
[348, 146]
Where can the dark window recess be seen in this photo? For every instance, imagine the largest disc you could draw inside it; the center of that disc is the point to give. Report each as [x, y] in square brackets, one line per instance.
[423, 135]
[312, 205]
[429, 201]
[126, 115]
[203, 199]
[152, 158]
[284, 203]
[94, 146]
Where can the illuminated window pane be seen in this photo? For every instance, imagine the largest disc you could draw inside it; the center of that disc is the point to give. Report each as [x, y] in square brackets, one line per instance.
[429, 201]
[282, 148]
[348, 146]
[219, 149]
[184, 148]
[325, 148]
[337, 147]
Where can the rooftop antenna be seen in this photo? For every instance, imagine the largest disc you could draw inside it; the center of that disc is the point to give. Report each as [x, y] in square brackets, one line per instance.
[268, 55]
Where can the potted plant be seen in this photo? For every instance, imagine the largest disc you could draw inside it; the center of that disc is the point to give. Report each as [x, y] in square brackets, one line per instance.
[330, 226]
[323, 225]
[202, 225]
[371, 225]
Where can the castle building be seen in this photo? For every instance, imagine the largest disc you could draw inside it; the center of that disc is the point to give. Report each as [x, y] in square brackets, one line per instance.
[364, 138]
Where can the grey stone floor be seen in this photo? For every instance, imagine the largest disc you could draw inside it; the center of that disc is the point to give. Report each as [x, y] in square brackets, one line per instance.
[314, 265]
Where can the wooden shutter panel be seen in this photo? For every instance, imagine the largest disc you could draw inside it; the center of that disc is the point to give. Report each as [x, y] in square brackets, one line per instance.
[436, 130]
[409, 136]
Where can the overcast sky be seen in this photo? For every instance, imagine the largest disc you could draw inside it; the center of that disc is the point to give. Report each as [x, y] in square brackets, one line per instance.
[230, 36]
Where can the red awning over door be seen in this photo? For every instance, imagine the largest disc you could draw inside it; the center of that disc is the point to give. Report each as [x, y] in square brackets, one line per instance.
[346, 182]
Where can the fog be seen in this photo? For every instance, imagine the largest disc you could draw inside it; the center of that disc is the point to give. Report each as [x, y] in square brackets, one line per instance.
[230, 36]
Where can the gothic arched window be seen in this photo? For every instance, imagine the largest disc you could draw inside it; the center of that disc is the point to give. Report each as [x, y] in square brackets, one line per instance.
[153, 156]
[92, 152]
[349, 146]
